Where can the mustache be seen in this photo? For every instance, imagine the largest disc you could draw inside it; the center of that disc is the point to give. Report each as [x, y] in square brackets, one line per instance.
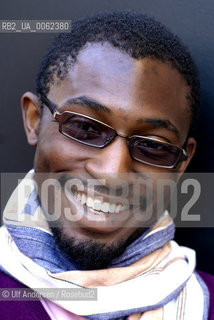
[114, 188]
[116, 185]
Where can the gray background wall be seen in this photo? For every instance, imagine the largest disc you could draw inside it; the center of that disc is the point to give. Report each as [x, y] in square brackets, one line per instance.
[20, 55]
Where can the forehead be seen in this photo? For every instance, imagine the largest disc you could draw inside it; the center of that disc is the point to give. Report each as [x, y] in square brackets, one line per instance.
[108, 69]
[121, 82]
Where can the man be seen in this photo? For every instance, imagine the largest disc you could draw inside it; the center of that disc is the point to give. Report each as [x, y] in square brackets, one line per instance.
[116, 103]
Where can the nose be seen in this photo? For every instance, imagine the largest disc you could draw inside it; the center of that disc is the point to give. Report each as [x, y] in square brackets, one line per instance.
[110, 160]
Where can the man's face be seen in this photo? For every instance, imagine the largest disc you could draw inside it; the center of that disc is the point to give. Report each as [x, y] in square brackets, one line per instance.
[133, 93]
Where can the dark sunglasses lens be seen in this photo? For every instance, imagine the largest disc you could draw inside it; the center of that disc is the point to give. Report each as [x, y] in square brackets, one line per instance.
[86, 130]
[154, 152]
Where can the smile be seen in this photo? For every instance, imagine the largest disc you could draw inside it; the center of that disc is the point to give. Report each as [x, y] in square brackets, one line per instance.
[97, 205]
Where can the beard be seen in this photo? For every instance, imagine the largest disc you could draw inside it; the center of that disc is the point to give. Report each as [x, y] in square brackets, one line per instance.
[90, 254]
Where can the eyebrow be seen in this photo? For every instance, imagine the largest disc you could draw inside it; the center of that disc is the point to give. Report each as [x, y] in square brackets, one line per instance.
[88, 102]
[161, 123]
[93, 104]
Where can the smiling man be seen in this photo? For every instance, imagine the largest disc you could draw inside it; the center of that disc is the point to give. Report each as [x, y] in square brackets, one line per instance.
[117, 99]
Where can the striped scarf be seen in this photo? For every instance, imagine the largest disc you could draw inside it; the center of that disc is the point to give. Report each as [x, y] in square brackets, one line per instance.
[153, 279]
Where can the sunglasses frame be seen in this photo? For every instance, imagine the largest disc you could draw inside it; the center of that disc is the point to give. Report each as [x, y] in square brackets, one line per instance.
[58, 117]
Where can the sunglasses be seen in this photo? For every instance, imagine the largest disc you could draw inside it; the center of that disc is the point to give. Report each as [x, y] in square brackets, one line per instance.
[94, 133]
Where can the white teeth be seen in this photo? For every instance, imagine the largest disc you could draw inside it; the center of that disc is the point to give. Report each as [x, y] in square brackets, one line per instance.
[105, 207]
[79, 196]
[83, 199]
[118, 208]
[112, 208]
[95, 204]
[90, 202]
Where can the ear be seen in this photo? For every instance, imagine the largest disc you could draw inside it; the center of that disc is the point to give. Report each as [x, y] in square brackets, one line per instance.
[31, 116]
[191, 147]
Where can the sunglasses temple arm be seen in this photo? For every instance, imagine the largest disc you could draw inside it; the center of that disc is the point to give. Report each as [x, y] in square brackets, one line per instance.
[184, 147]
[48, 103]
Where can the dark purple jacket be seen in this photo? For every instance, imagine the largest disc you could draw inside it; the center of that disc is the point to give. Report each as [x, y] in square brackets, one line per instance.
[25, 310]
[19, 310]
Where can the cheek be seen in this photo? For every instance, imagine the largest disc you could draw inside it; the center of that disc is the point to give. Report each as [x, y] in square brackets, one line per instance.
[56, 153]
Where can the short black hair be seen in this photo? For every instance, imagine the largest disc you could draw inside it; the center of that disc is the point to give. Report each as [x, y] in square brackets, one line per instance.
[136, 34]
